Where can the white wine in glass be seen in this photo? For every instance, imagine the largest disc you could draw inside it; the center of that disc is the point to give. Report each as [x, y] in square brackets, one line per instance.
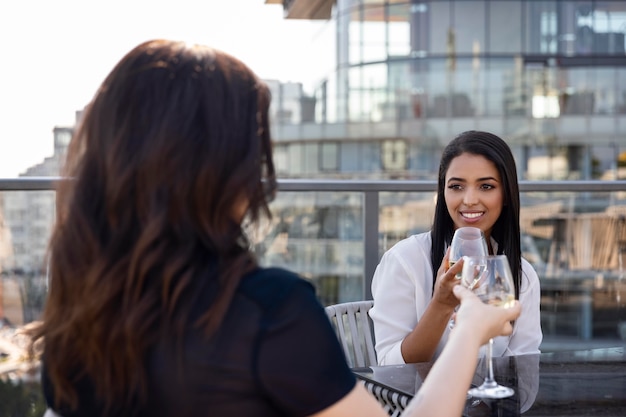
[493, 284]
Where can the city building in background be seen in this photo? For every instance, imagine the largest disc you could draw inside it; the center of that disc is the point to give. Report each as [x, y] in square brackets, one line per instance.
[548, 76]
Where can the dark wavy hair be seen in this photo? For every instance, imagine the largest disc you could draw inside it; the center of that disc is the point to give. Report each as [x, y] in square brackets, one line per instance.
[506, 230]
[174, 141]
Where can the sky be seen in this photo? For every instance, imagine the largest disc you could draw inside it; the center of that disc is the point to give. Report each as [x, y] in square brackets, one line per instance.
[55, 53]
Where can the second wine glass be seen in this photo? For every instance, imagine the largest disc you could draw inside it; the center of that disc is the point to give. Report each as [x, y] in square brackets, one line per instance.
[493, 284]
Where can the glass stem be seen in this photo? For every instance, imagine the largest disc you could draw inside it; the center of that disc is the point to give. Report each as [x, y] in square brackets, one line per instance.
[490, 378]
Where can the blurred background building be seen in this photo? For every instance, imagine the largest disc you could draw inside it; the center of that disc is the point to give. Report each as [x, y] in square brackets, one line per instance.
[548, 76]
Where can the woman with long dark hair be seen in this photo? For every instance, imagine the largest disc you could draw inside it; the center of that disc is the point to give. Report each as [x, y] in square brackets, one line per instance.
[157, 306]
[412, 286]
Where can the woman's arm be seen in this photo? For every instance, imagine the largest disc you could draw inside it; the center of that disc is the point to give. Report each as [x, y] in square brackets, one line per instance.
[408, 320]
[358, 402]
[420, 344]
[444, 390]
[395, 291]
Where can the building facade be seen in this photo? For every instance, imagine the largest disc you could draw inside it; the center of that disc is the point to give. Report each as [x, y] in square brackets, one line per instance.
[548, 76]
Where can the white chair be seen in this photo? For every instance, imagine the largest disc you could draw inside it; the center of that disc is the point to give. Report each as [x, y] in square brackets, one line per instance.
[355, 331]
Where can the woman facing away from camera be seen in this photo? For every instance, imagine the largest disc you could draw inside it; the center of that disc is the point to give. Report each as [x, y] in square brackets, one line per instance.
[157, 306]
[412, 285]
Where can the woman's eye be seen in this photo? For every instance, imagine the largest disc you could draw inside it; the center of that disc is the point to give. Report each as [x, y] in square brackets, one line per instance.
[455, 186]
[487, 187]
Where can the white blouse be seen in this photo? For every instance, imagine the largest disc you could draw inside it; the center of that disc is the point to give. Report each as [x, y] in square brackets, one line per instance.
[402, 287]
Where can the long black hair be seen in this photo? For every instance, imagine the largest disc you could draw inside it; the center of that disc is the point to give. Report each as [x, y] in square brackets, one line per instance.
[506, 230]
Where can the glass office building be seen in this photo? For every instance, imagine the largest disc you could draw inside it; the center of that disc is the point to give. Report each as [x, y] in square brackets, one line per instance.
[548, 76]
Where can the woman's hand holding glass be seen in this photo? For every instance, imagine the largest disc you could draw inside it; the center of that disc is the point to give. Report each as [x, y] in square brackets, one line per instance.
[446, 281]
[481, 320]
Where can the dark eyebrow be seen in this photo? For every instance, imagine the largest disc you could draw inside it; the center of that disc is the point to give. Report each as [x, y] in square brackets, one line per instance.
[479, 179]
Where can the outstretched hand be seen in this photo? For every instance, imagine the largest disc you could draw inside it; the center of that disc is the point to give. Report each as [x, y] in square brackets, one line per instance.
[486, 320]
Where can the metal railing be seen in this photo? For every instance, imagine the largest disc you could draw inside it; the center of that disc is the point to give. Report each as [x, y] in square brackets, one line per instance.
[370, 189]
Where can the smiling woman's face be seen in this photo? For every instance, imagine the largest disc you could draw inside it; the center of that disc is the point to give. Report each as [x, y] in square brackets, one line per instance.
[473, 192]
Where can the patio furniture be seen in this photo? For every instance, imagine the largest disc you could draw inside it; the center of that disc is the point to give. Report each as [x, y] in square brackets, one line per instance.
[355, 331]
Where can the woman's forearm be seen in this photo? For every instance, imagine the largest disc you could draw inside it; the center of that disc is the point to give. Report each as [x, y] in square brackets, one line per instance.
[421, 343]
[444, 391]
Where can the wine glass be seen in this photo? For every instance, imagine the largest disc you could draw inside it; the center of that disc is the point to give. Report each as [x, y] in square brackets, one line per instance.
[467, 241]
[492, 282]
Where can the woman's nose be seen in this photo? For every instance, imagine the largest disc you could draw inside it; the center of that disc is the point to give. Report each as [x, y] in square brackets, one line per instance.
[470, 198]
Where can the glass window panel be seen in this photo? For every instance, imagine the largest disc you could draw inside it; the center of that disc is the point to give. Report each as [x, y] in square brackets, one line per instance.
[356, 94]
[376, 96]
[541, 27]
[368, 85]
[504, 88]
[295, 159]
[371, 158]
[440, 18]
[349, 157]
[542, 91]
[585, 33]
[310, 158]
[505, 27]
[603, 161]
[329, 156]
[281, 165]
[605, 94]
[394, 154]
[578, 97]
[469, 26]
[374, 38]
[464, 89]
[621, 90]
[399, 30]
[600, 27]
[356, 39]
[437, 87]
[399, 90]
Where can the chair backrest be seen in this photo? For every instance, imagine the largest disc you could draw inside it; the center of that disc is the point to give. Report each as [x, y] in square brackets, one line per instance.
[354, 330]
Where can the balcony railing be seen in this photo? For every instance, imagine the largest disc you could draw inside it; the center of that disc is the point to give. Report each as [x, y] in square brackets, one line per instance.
[333, 232]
